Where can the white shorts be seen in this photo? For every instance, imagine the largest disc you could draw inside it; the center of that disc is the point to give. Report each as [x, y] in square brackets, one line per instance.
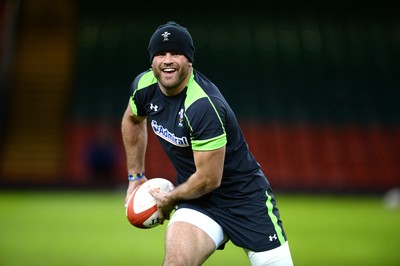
[202, 221]
[277, 256]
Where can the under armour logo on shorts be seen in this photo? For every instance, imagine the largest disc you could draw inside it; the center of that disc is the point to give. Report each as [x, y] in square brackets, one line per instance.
[273, 237]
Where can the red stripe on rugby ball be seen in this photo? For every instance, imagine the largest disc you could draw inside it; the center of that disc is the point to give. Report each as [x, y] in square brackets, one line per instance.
[137, 219]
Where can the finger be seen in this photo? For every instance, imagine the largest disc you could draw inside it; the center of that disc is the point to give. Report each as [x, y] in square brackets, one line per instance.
[153, 192]
[161, 216]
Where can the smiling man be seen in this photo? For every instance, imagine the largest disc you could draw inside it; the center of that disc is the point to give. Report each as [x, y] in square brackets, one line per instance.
[221, 194]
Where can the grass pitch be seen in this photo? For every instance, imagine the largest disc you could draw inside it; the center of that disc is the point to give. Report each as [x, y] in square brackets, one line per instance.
[90, 228]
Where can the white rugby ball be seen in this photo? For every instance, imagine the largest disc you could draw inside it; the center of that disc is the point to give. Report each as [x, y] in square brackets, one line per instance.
[141, 208]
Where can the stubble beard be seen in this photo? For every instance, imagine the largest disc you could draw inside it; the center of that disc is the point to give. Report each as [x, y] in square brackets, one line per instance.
[171, 84]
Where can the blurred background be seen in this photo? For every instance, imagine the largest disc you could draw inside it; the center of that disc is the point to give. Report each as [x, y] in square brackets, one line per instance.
[316, 88]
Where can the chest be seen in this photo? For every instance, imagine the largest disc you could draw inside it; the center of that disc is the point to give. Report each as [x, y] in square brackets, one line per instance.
[167, 119]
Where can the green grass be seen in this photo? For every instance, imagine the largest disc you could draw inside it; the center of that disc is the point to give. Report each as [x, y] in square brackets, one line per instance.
[90, 228]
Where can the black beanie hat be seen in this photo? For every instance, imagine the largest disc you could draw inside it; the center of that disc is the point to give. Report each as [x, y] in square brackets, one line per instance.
[171, 37]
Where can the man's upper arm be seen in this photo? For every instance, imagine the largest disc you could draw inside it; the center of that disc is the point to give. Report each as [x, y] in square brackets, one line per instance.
[210, 163]
[131, 116]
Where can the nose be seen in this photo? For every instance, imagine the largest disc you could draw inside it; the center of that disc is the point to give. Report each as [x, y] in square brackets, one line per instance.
[168, 58]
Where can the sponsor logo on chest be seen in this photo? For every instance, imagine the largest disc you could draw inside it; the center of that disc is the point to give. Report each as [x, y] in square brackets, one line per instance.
[164, 133]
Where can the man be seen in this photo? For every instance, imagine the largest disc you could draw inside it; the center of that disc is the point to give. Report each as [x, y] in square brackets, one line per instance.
[221, 192]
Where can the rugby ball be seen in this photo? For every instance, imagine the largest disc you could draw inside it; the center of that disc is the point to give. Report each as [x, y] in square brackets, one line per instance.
[141, 207]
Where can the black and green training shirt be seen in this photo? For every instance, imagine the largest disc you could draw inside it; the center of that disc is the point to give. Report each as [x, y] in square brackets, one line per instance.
[198, 119]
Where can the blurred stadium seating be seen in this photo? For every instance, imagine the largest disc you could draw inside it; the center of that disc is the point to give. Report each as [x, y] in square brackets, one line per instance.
[315, 88]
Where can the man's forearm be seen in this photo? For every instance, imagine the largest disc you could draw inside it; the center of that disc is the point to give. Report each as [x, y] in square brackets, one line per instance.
[134, 136]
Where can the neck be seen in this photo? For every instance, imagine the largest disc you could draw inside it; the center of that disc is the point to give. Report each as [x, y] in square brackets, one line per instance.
[172, 91]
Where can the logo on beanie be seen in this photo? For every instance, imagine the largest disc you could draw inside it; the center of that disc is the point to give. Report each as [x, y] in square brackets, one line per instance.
[165, 35]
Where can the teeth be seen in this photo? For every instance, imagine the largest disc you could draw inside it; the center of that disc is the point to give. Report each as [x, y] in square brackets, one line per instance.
[169, 69]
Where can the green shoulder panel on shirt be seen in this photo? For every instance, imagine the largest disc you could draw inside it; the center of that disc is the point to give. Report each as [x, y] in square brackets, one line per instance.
[194, 93]
[146, 80]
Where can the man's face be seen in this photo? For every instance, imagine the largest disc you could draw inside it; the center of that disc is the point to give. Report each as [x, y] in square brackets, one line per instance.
[172, 71]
